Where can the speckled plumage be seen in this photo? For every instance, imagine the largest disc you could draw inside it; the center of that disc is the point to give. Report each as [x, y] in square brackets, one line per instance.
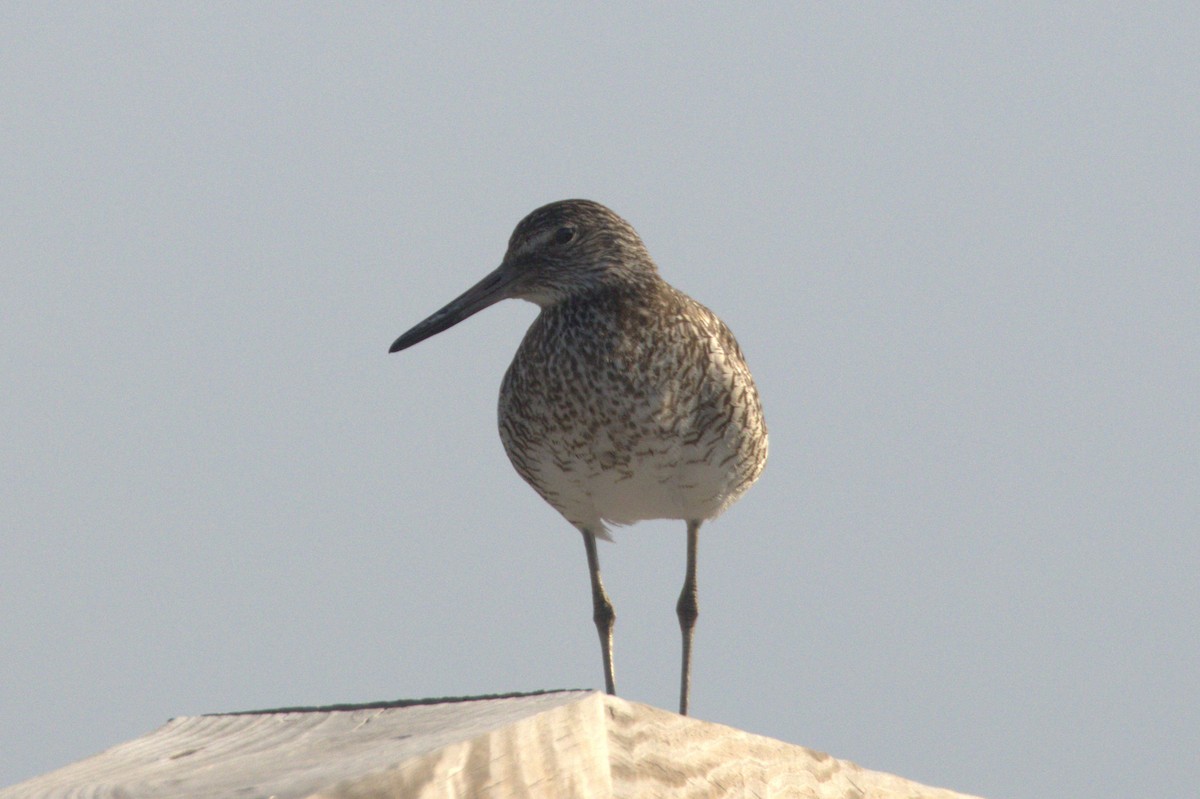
[627, 399]
[623, 405]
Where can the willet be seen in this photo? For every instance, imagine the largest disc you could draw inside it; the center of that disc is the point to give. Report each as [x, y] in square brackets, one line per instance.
[627, 399]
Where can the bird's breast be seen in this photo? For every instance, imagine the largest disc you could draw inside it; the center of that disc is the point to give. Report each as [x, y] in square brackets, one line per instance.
[624, 419]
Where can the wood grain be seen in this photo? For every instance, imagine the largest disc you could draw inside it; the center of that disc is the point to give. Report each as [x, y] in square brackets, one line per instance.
[562, 744]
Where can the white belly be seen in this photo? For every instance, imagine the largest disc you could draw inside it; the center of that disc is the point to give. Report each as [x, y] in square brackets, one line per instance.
[605, 488]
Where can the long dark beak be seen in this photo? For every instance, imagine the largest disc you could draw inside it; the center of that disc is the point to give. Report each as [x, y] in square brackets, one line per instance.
[490, 290]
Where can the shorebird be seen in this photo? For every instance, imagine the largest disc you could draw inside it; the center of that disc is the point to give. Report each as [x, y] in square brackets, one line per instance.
[627, 399]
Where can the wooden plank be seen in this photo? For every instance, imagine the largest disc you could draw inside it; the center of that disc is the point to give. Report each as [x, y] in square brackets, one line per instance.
[658, 753]
[317, 752]
[562, 744]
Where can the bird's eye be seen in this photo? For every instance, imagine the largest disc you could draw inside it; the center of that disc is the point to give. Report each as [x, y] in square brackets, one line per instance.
[563, 235]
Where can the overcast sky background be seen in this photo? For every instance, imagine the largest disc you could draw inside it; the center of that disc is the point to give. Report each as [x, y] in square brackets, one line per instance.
[958, 244]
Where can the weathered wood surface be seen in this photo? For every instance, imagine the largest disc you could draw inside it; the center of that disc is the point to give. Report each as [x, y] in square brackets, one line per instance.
[562, 744]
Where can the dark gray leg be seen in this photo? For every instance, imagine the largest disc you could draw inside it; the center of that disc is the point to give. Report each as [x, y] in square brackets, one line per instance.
[602, 613]
[688, 610]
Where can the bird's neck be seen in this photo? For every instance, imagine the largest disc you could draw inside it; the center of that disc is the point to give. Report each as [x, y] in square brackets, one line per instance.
[616, 300]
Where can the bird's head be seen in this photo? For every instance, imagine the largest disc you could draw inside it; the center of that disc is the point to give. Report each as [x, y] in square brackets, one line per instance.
[562, 250]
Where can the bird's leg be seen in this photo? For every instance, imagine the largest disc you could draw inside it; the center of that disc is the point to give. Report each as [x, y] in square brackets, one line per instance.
[688, 610]
[602, 612]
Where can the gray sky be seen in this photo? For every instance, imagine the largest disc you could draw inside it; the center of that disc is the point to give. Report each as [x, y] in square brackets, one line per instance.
[958, 244]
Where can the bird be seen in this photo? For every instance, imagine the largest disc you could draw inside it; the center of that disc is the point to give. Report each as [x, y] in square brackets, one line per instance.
[626, 400]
